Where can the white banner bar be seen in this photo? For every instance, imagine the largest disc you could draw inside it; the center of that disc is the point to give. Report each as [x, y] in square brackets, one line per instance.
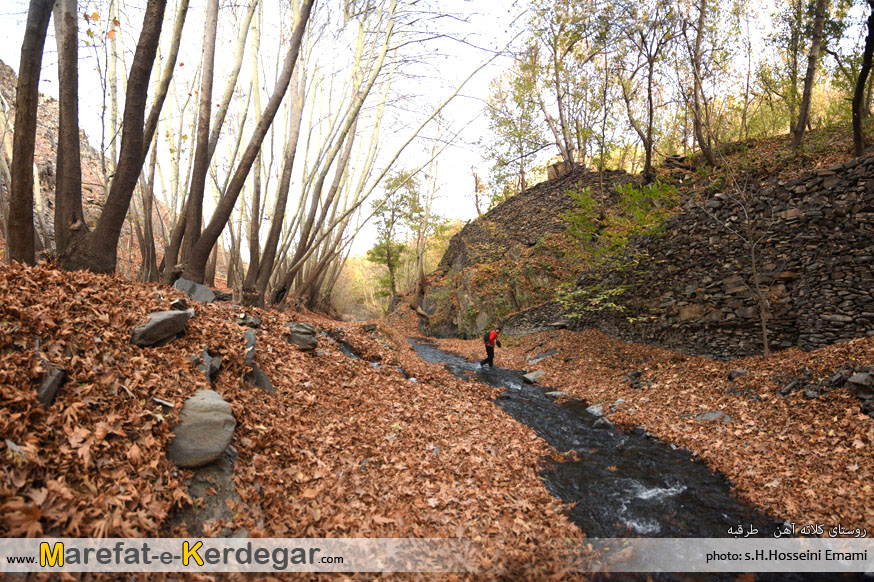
[234, 555]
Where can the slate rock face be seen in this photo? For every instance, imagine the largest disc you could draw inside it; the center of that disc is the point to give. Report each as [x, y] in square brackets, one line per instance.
[161, 329]
[195, 291]
[302, 335]
[206, 425]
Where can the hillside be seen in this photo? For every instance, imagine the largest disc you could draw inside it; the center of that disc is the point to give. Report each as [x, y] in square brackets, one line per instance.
[690, 285]
[340, 447]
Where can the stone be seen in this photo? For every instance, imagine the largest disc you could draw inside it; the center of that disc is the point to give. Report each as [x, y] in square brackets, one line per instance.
[246, 320]
[179, 305]
[596, 409]
[195, 291]
[811, 394]
[208, 364]
[206, 425]
[603, 423]
[53, 379]
[224, 296]
[713, 415]
[303, 335]
[249, 336]
[837, 318]
[556, 393]
[533, 377]
[790, 213]
[737, 373]
[860, 379]
[257, 378]
[162, 328]
[540, 357]
[368, 327]
[619, 402]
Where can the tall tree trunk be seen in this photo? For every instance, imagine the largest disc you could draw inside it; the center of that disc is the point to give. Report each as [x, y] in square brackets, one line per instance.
[200, 167]
[196, 265]
[698, 91]
[813, 57]
[859, 92]
[20, 227]
[99, 249]
[69, 215]
[265, 266]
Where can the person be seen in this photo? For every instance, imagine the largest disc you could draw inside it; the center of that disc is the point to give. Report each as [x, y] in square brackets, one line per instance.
[490, 339]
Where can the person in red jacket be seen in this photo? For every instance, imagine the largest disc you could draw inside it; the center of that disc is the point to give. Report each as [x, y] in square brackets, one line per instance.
[490, 339]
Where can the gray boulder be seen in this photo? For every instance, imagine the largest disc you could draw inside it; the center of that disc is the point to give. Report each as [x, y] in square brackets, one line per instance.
[257, 378]
[206, 425]
[533, 377]
[303, 335]
[195, 291]
[161, 329]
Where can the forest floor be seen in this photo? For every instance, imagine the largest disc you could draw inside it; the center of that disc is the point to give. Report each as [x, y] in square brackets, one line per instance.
[343, 449]
[806, 460]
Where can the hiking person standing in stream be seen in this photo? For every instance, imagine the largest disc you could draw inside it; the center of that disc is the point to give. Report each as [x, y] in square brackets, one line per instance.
[490, 339]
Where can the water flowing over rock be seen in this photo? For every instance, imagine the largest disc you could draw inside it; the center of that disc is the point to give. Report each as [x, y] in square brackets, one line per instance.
[162, 328]
[206, 425]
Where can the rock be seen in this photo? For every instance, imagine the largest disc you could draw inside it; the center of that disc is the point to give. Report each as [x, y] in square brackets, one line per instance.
[208, 364]
[206, 425]
[249, 336]
[619, 402]
[256, 377]
[302, 335]
[53, 379]
[224, 296]
[556, 393]
[860, 379]
[246, 320]
[603, 423]
[737, 373]
[368, 327]
[179, 305]
[540, 357]
[811, 394]
[596, 409]
[837, 318]
[532, 377]
[713, 415]
[195, 291]
[634, 379]
[161, 329]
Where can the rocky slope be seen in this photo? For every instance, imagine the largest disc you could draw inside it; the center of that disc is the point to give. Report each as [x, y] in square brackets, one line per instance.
[509, 259]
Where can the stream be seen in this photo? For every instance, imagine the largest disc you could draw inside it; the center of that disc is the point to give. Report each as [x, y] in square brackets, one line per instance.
[626, 484]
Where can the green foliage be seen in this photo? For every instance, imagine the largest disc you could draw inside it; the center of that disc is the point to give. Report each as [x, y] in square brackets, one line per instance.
[390, 255]
[605, 233]
[580, 301]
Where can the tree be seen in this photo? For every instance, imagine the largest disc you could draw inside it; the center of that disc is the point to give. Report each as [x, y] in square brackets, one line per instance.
[20, 227]
[812, 59]
[392, 213]
[859, 91]
[97, 250]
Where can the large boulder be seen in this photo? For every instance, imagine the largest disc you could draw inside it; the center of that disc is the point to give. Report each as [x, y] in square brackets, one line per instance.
[533, 377]
[195, 291]
[161, 329]
[206, 425]
[303, 335]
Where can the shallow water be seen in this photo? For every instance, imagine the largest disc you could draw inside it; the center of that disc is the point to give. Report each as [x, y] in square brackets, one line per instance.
[626, 484]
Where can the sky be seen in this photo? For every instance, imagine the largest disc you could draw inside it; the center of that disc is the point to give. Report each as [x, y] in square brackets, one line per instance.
[488, 24]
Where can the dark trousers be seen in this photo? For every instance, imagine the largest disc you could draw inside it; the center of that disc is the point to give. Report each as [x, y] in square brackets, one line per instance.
[490, 357]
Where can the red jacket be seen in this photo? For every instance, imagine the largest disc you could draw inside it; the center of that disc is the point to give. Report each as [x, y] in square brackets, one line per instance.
[492, 337]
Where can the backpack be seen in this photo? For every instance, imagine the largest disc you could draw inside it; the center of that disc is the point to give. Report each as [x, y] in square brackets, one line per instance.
[486, 337]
